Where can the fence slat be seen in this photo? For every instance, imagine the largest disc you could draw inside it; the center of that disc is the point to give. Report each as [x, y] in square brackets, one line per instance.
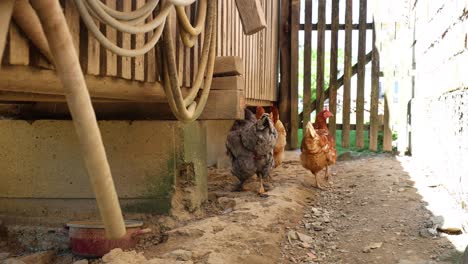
[307, 61]
[347, 74]
[295, 8]
[361, 75]
[374, 109]
[334, 65]
[320, 55]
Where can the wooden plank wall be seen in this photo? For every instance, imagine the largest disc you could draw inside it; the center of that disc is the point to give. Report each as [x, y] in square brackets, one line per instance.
[365, 55]
[259, 51]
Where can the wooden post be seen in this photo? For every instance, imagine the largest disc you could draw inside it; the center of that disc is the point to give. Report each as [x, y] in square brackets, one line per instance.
[6, 10]
[347, 74]
[334, 65]
[374, 110]
[307, 63]
[320, 55]
[361, 74]
[295, 9]
[285, 67]
[70, 74]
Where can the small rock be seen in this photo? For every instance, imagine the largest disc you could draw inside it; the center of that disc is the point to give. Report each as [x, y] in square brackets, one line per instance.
[292, 236]
[366, 250]
[307, 225]
[330, 231]
[401, 190]
[181, 254]
[226, 203]
[83, 261]
[307, 215]
[375, 245]
[326, 220]
[305, 238]
[305, 245]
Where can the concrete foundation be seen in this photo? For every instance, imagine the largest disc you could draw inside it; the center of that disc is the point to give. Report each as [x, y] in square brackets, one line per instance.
[216, 134]
[42, 171]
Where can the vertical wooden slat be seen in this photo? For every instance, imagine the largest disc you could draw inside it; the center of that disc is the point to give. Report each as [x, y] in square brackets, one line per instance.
[111, 33]
[139, 42]
[374, 108]
[347, 74]
[150, 61]
[320, 55]
[361, 74]
[334, 65]
[295, 9]
[223, 32]
[93, 53]
[18, 48]
[126, 44]
[387, 134]
[285, 63]
[73, 20]
[307, 108]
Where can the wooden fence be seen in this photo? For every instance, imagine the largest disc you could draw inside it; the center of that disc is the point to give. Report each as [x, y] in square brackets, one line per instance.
[289, 40]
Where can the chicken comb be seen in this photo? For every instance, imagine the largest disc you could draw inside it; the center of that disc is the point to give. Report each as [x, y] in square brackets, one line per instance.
[259, 112]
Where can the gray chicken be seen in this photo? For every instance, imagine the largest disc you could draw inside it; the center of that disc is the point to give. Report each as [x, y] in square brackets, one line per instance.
[250, 146]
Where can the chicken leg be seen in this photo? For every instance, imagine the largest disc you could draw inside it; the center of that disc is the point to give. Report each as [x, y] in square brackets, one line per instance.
[317, 184]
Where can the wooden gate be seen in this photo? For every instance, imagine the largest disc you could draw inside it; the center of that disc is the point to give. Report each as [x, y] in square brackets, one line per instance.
[331, 22]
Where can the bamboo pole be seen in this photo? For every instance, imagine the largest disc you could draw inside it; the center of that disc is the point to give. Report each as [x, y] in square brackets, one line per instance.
[69, 71]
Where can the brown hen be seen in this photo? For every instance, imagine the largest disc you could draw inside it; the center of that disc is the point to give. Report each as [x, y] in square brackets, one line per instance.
[318, 147]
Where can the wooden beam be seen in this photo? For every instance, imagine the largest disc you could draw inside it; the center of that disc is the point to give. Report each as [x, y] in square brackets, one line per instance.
[284, 32]
[333, 66]
[252, 16]
[36, 97]
[228, 66]
[295, 14]
[374, 108]
[6, 10]
[224, 104]
[361, 75]
[369, 26]
[228, 83]
[139, 42]
[320, 55]
[347, 74]
[28, 79]
[307, 62]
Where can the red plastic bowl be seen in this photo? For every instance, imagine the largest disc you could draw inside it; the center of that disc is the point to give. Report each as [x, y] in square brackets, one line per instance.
[88, 238]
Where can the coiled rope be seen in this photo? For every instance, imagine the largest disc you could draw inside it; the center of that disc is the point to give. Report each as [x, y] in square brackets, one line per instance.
[185, 109]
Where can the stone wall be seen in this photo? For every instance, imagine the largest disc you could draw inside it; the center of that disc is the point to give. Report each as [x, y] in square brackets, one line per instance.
[439, 129]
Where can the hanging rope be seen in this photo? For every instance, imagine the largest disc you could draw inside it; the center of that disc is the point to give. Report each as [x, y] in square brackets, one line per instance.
[185, 109]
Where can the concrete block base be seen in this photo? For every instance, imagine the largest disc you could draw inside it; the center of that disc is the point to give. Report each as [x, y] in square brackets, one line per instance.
[43, 175]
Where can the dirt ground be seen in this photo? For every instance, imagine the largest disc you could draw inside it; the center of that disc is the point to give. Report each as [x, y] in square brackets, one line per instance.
[370, 214]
